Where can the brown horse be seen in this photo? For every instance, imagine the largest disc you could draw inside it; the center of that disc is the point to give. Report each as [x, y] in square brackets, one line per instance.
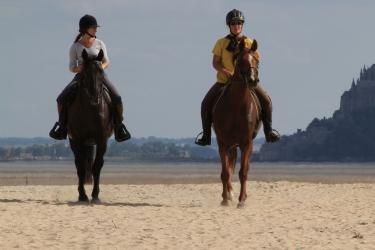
[236, 120]
[90, 124]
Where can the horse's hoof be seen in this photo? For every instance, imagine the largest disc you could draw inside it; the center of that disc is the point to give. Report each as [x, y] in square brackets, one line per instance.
[95, 200]
[83, 198]
[241, 204]
[225, 203]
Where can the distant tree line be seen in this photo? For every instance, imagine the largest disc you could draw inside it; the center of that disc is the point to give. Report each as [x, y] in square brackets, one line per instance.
[148, 150]
[37, 152]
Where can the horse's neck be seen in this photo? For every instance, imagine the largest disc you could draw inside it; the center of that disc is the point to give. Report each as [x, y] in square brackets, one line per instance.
[88, 94]
[92, 84]
[236, 92]
[236, 78]
[238, 82]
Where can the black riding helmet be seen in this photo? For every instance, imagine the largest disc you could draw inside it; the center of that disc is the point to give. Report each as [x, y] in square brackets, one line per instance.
[86, 22]
[235, 15]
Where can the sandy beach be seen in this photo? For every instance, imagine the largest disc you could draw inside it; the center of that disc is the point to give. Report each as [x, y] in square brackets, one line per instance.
[277, 215]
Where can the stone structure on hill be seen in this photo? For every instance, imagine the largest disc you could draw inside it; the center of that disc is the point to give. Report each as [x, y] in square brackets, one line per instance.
[362, 93]
[347, 136]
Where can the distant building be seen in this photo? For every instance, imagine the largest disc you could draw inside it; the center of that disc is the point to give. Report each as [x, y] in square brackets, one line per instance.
[349, 135]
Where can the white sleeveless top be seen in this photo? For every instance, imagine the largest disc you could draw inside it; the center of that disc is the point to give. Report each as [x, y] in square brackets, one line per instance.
[75, 53]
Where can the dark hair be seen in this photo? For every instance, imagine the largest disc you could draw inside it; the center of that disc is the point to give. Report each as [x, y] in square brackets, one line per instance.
[78, 37]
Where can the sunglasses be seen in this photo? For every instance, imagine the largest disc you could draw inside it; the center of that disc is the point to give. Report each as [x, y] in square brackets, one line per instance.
[236, 23]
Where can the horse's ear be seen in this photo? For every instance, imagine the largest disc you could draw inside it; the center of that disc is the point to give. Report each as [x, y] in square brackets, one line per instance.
[100, 56]
[241, 46]
[85, 56]
[254, 46]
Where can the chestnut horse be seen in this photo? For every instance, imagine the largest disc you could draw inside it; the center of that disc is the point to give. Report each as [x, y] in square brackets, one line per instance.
[236, 120]
[90, 124]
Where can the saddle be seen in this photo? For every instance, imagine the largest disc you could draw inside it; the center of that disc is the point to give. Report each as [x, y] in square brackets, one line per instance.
[73, 94]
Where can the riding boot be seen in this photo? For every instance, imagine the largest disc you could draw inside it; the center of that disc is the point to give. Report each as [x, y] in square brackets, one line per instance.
[206, 137]
[271, 134]
[59, 130]
[121, 133]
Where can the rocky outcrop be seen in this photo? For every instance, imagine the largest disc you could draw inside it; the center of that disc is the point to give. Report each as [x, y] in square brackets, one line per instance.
[347, 136]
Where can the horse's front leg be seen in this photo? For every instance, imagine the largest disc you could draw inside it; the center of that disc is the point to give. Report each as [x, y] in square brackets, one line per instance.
[225, 174]
[97, 167]
[245, 156]
[79, 160]
[232, 165]
[81, 172]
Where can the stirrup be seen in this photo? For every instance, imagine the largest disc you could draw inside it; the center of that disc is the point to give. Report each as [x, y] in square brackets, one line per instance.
[273, 136]
[201, 141]
[196, 138]
[58, 132]
[121, 133]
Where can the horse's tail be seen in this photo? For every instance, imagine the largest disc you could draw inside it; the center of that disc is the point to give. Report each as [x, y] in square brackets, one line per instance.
[89, 163]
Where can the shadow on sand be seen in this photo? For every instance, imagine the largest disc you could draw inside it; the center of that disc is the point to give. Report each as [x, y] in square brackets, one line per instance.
[80, 203]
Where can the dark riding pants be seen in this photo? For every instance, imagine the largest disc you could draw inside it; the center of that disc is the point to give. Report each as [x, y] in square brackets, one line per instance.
[207, 105]
[67, 95]
[266, 103]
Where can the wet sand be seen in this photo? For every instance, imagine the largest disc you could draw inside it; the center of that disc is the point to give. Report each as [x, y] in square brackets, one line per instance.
[64, 173]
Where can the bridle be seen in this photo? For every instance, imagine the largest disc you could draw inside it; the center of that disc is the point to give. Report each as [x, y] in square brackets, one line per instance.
[245, 73]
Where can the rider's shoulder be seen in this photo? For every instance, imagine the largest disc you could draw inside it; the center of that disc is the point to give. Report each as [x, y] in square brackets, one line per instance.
[99, 41]
[248, 42]
[74, 46]
[222, 40]
[248, 39]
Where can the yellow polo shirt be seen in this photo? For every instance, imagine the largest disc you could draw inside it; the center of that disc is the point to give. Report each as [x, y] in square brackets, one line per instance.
[227, 57]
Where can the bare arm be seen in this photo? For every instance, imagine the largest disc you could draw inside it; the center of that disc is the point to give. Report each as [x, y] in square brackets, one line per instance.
[105, 61]
[76, 69]
[105, 64]
[73, 67]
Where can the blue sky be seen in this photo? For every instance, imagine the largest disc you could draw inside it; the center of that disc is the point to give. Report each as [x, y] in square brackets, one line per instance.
[160, 55]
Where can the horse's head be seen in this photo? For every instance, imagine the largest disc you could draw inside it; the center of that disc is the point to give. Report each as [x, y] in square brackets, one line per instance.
[92, 75]
[247, 63]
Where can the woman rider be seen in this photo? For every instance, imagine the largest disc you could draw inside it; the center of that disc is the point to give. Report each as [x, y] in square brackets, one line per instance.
[86, 39]
[223, 63]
